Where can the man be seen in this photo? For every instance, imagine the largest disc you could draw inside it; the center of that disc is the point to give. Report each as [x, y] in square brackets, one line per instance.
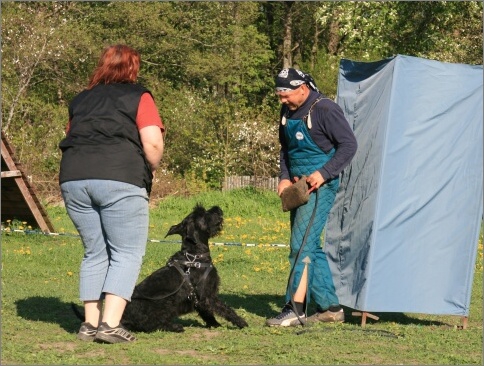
[317, 142]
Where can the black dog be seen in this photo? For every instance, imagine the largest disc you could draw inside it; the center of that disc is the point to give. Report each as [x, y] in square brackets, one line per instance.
[187, 283]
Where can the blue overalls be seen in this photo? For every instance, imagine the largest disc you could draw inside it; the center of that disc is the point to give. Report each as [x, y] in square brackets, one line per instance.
[305, 157]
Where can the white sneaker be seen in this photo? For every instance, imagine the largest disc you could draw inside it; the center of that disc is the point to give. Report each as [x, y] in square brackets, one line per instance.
[287, 318]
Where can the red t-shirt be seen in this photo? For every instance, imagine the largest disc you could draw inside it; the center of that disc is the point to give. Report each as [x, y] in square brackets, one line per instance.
[147, 114]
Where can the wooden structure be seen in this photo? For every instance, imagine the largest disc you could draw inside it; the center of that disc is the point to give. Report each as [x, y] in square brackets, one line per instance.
[19, 200]
[364, 315]
[233, 182]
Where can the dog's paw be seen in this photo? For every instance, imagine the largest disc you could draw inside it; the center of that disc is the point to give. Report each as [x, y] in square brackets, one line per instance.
[241, 323]
[173, 327]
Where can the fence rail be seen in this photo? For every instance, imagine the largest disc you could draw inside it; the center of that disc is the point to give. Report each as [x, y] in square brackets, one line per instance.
[233, 182]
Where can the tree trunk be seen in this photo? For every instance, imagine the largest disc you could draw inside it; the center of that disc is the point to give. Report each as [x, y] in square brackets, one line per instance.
[334, 37]
[287, 43]
[314, 48]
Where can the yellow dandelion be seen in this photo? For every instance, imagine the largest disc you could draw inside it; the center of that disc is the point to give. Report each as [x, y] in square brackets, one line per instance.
[69, 273]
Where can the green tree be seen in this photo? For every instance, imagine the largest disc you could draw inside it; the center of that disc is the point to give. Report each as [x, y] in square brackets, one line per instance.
[442, 30]
[39, 74]
[210, 66]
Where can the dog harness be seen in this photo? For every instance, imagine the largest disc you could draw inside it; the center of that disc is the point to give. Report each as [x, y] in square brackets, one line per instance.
[190, 263]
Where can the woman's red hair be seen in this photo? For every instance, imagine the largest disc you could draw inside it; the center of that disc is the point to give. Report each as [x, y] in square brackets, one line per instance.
[117, 64]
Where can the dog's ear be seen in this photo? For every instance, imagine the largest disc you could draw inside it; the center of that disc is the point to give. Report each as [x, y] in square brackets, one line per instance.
[198, 210]
[175, 229]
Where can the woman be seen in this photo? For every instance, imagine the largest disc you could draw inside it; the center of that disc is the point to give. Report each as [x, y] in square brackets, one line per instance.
[113, 145]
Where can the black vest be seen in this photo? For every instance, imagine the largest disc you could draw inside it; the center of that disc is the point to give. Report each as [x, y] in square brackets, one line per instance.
[103, 141]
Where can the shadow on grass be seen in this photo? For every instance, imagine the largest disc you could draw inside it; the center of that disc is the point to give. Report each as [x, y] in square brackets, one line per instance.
[399, 318]
[263, 306]
[53, 310]
[49, 310]
[260, 305]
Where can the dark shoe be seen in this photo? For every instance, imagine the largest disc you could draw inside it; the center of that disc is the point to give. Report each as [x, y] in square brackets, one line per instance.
[287, 318]
[327, 317]
[106, 334]
[87, 332]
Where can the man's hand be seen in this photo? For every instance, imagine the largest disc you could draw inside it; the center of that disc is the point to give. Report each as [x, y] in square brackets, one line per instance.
[283, 184]
[315, 180]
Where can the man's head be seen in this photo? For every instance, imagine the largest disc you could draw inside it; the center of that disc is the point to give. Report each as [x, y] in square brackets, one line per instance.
[289, 79]
[293, 87]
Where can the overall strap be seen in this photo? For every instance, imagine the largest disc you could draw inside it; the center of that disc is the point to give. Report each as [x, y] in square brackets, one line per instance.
[307, 118]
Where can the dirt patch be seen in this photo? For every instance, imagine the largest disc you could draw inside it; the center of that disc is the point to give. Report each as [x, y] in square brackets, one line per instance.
[59, 346]
[206, 334]
[189, 352]
[202, 335]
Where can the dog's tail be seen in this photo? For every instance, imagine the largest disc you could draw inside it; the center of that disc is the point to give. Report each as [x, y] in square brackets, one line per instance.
[80, 315]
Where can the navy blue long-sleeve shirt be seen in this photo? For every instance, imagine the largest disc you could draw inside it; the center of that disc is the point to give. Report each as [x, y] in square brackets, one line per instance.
[329, 129]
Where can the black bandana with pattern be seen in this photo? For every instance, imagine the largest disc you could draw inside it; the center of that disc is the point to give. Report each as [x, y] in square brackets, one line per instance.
[291, 79]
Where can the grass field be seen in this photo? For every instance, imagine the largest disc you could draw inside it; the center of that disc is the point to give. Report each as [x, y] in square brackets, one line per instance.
[40, 280]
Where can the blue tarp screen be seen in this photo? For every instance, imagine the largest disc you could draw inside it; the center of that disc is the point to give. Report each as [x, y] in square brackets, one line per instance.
[403, 233]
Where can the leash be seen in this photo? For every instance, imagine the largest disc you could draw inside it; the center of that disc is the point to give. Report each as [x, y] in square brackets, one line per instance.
[290, 282]
[379, 332]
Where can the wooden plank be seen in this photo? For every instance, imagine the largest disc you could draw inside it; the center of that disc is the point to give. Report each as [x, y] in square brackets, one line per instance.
[7, 158]
[364, 315]
[11, 174]
[19, 193]
[31, 203]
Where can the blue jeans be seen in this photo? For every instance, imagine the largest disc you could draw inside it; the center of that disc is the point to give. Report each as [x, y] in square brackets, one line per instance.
[112, 219]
